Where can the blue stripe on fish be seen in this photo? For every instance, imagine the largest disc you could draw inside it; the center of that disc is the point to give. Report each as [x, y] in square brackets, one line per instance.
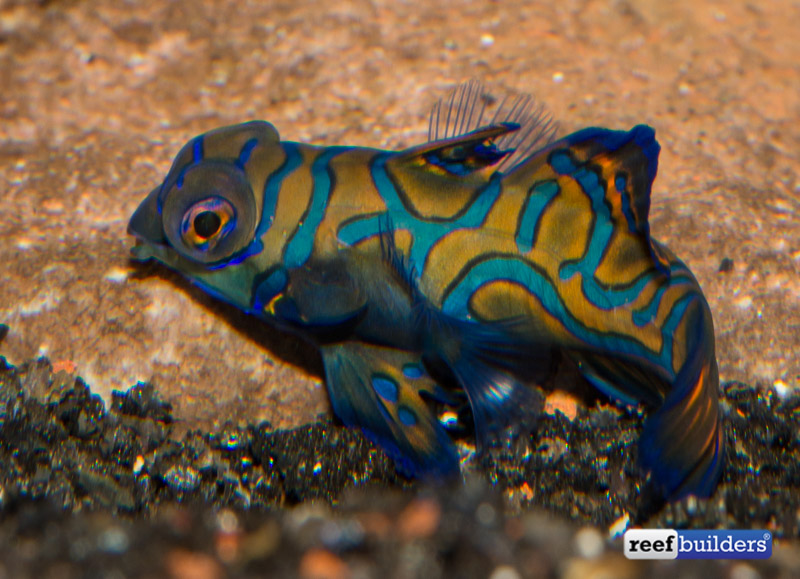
[386, 388]
[539, 196]
[600, 236]
[244, 154]
[647, 313]
[425, 233]
[301, 243]
[197, 156]
[197, 150]
[516, 270]
[272, 188]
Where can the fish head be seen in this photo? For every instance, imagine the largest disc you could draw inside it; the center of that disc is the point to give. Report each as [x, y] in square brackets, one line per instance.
[201, 220]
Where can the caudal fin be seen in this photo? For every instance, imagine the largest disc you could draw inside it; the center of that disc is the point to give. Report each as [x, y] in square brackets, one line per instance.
[682, 445]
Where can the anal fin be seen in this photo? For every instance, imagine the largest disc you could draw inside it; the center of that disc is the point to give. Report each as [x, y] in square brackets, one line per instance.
[379, 389]
[621, 379]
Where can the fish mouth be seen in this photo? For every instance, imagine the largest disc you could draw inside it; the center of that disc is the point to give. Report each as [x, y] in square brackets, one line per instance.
[141, 251]
[146, 226]
[145, 223]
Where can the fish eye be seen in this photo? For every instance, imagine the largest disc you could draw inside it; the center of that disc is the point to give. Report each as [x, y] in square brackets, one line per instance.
[207, 222]
[209, 212]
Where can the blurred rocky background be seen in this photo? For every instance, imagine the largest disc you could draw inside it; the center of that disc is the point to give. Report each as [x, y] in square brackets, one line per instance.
[96, 98]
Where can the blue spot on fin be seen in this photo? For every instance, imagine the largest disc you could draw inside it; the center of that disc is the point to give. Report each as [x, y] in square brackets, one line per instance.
[386, 388]
[406, 416]
[361, 379]
[412, 371]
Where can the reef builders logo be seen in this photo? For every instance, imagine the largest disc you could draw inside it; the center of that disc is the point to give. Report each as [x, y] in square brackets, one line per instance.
[710, 544]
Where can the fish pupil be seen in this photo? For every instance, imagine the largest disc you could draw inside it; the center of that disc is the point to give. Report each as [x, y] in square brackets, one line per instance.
[207, 224]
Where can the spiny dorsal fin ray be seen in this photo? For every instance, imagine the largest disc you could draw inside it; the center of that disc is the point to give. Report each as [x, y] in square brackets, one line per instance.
[470, 106]
[440, 179]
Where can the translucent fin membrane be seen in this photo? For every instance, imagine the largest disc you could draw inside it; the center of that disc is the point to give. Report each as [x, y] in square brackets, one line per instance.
[471, 106]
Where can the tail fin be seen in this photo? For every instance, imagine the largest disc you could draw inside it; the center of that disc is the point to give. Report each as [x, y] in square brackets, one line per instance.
[683, 444]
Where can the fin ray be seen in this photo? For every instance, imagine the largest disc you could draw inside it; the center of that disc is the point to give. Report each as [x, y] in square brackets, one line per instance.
[470, 106]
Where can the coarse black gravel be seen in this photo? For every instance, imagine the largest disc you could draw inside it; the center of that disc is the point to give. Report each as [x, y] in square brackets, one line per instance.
[92, 490]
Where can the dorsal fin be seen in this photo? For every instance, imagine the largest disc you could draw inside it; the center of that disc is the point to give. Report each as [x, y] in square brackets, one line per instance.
[471, 107]
[630, 159]
[616, 169]
[628, 162]
[461, 155]
[473, 136]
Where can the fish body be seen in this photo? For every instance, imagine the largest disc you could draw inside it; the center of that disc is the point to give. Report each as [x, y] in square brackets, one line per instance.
[455, 271]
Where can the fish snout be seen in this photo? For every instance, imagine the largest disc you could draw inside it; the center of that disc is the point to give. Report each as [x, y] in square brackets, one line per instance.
[146, 224]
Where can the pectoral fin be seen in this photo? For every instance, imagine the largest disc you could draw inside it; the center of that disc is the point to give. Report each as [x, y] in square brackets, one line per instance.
[380, 390]
[315, 299]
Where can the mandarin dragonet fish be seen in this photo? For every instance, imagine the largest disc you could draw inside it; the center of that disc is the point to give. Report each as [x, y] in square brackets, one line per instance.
[454, 272]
